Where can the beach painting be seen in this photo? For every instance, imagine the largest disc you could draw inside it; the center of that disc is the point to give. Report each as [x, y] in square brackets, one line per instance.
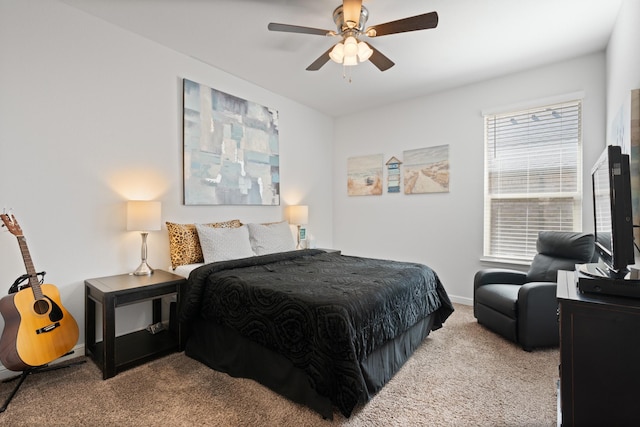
[426, 170]
[364, 175]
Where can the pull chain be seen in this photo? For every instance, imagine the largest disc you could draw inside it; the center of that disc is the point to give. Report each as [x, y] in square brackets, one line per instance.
[346, 75]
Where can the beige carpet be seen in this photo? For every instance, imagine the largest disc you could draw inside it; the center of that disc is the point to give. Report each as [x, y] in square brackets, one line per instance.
[462, 375]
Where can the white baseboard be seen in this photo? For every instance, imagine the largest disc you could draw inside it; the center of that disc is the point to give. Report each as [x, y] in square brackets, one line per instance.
[78, 350]
[461, 300]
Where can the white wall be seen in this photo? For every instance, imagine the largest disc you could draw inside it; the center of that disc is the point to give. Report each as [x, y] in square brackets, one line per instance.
[444, 230]
[90, 116]
[623, 60]
[623, 76]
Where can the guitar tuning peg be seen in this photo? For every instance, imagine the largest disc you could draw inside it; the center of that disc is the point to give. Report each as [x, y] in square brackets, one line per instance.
[4, 212]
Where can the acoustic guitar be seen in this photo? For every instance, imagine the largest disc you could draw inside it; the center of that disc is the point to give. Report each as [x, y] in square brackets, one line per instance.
[37, 328]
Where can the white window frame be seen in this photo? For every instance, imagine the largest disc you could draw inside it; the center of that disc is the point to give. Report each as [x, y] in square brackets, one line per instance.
[526, 236]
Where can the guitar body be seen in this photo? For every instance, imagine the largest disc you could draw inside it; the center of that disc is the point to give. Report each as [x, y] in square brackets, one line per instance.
[37, 331]
[37, 328]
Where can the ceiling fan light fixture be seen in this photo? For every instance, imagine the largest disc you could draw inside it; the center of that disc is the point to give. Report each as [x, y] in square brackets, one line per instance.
[350, 46]
[364, 51]
[350, 18]
[350, 61]
[337, 53]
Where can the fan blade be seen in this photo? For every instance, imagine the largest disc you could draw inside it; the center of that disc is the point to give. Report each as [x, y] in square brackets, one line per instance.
[351, 11]
[379, 60]
[298, 29]
[318, 63]
[414, 23]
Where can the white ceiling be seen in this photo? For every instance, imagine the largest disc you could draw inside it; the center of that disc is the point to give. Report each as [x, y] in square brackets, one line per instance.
[475, 40]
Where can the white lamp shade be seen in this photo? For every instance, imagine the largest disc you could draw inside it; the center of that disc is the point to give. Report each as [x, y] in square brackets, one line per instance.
[298, 214]
[350, 60]
[143, 215]
[337, 53]
[364, 51]
[350, 46]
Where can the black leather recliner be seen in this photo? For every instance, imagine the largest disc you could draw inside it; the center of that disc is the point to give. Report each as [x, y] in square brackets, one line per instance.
[521, 306]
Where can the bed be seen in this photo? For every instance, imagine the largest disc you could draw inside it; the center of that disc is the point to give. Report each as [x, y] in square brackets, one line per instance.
[320, 328]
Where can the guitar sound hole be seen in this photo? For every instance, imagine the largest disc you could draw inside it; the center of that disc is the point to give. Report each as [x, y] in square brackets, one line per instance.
[41, 306]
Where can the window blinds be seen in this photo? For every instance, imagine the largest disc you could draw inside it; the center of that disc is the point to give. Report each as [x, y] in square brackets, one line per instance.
[532, 177]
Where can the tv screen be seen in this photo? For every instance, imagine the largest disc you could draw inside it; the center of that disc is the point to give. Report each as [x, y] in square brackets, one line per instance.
[612, 211]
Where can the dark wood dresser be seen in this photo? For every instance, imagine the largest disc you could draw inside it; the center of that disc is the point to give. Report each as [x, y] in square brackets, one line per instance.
[599, 357]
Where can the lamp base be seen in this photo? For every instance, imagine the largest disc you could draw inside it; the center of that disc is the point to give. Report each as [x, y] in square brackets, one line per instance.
[298, 243]
[143, 270]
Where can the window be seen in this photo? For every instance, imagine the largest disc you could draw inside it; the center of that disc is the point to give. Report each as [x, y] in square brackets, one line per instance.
[533, 177]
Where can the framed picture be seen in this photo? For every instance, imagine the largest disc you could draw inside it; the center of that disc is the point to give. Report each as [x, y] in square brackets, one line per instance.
[393, 175]
[231, 152]
[364, 175]
[426, 170]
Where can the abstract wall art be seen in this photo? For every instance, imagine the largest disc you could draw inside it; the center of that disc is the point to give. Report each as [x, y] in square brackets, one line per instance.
[231, 154]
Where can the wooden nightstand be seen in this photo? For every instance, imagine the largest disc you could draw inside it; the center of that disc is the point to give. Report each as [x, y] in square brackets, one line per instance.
[115, 354]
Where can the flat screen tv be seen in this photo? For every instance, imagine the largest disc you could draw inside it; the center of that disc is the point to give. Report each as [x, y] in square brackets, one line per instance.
[613, 212]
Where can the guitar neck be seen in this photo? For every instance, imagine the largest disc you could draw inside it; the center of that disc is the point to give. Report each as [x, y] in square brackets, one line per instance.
[31, 271]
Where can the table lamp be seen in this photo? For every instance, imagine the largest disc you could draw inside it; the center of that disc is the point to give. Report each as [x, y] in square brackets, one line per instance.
[298, 215]
[143, 216]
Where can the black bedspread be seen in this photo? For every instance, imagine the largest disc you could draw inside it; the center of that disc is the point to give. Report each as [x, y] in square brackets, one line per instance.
[323, 311]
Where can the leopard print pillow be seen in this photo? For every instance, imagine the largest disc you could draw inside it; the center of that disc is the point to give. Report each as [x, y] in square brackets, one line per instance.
[184, 244]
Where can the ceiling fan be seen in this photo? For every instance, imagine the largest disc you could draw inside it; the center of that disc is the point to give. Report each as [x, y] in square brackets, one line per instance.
[350, 18]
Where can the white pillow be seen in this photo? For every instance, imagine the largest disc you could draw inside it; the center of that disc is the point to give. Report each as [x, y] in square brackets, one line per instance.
[271, 238]
[221, 244]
